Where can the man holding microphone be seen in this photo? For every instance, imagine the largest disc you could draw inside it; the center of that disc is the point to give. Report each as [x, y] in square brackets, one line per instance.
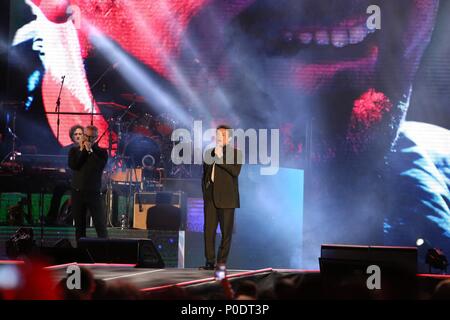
[220, 196]
[87, 160]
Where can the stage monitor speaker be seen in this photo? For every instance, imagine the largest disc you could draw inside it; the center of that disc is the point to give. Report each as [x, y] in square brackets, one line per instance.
[399, 258]
[345, 272]
[168, 210]
[60, 252]
[141, 252]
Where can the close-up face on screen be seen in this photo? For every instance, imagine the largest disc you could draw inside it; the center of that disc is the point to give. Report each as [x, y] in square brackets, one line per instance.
[336, 116]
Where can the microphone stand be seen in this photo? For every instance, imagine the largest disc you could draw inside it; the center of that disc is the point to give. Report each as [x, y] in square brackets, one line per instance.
[94, 85]
[119, 130]
[58, 107]
[126, 111]
[13, 154]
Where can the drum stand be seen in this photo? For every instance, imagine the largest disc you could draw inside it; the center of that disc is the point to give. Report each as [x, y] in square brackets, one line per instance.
[130, 196]
[181, 170]
[117, 158]
[109, 199]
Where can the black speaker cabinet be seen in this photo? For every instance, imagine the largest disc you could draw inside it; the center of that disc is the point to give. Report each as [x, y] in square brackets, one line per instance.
[141, 252]
[347, 258]
[368, 272]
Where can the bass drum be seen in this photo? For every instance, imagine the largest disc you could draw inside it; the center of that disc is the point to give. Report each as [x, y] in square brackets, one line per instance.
[165, 124]
[141, 151]
[144, 126]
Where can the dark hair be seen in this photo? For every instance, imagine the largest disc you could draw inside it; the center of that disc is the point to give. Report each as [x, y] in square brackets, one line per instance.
[223, 126]
[93, 128]
[73, 129]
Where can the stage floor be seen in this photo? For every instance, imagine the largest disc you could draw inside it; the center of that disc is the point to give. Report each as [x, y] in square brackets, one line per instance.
[146, 279]
[202, 282]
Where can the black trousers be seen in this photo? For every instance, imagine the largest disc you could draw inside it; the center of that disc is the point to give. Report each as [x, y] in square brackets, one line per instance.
[88, 200]
[212, 217]
[58, 192]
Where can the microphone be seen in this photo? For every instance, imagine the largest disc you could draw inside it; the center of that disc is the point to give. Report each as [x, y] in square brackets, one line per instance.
[58, 101]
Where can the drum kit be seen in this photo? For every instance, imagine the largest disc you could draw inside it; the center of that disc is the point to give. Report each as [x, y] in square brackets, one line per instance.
[143, 140]
[139, 150]
[140, 154]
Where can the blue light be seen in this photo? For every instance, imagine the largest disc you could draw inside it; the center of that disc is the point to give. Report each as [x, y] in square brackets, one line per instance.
[33, 80]
[28, 102]
[33, 83]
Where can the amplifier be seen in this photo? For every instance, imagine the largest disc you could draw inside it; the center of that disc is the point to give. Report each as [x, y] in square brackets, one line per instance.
[168, 210]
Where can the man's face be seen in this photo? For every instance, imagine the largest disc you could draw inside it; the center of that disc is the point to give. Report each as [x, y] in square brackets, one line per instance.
[222, 137]
[77, 135]
[90, 135]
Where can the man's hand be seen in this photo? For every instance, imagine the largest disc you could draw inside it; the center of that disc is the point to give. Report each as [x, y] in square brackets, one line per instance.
[218, 151]
[88, 146]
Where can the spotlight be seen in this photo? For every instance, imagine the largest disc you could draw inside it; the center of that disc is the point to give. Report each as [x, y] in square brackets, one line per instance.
[436, 259]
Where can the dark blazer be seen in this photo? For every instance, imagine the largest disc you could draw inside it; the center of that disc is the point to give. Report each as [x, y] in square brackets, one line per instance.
[87, 168]
[226, 186]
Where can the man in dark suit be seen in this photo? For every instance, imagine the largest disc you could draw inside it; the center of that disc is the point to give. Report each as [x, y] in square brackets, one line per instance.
[87, 160]
[221, 168]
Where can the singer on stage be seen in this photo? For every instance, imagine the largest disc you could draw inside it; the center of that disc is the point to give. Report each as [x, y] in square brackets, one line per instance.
[87, 161]
[220, 196]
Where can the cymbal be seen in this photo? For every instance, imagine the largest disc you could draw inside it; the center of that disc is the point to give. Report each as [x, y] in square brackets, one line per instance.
[133, 97]
[112, 105]
[116, 107]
